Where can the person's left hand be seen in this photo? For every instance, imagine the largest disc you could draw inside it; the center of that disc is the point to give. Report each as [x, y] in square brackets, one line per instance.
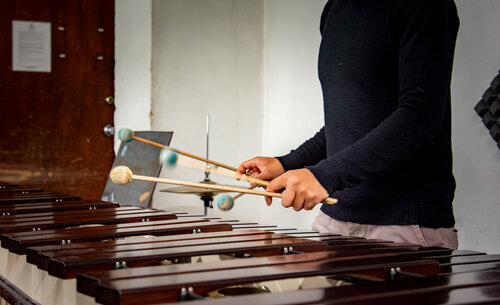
[301, 189]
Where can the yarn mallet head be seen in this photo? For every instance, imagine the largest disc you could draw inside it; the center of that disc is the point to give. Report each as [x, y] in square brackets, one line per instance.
[168, 157]
[121, 175]
[225, 203]
[126, 135]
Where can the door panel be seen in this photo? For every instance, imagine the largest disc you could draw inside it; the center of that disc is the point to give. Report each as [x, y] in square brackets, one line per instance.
[52, 123]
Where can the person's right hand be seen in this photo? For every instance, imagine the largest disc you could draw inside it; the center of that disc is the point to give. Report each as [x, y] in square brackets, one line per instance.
[264, 168]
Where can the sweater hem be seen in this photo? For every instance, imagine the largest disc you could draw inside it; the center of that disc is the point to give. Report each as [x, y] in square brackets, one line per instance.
[432, 214]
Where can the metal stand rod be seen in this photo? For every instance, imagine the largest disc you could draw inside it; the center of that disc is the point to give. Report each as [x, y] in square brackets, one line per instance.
[207, 203]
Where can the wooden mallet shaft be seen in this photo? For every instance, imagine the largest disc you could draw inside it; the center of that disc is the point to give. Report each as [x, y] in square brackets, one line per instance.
[172, 158]
[183, 153]
[182, 161]
[224, 172]
[217, 187]
[123, 175]
[128, 135]
[241, 194]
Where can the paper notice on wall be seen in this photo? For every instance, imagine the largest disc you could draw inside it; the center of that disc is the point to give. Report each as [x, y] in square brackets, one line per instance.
[31, 46]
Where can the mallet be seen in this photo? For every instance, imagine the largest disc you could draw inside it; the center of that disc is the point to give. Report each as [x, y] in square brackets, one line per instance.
[122, 175]
[225, 202]
[127, 135]
[171, 158]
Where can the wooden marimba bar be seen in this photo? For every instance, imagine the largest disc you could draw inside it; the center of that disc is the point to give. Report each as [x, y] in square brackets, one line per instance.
[60, 249]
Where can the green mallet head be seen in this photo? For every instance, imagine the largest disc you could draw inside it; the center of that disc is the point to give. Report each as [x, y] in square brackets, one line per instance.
[125, 134]
[225, 203]
[168, 157]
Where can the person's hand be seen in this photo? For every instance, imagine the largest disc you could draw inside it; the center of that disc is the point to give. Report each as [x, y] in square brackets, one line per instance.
[301, 190]
[264, 168]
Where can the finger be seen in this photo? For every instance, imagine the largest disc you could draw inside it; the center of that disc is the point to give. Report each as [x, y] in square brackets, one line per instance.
[260, 175]
[298, 205]
[244, 167]
[299, 201]
[269, 200]
[288, 198]
[310, 204]
[274, 186]
[249, 165]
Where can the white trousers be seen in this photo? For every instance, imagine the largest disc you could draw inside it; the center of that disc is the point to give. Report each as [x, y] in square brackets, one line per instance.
[415, 234]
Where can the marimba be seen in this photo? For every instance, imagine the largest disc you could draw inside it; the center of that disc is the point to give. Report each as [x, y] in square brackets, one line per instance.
[61, 249]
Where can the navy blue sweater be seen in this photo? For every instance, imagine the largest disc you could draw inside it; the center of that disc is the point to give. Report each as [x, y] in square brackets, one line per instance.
[385, 150]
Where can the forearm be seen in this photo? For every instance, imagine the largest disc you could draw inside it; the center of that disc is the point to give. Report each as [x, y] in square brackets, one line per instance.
[395, 141]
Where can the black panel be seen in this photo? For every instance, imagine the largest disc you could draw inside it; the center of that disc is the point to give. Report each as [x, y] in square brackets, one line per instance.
[142, 159]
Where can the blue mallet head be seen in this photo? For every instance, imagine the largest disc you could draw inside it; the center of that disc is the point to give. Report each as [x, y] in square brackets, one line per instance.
[225, 203]
[125, 134]
[168, 157]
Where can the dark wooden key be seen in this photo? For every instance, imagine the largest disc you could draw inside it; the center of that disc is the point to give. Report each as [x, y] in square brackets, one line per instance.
[5, 185]
[486, 294]
[48, 198]
[375, 245]
[454, 253]
[60, 215]
[167, 288]
[18, 242]
[434, 252]
[465, 260]
[18, 193]
[21, 190]
[469, 268]
[68, 266]
[135, 240]
[255, 226]
[469, 288]
[26, 208]
[484, 291]
[40, 258]
[76, 231]
[35, 255]
[93, 217]
[87, 280]
[301, 232]
[34, 195]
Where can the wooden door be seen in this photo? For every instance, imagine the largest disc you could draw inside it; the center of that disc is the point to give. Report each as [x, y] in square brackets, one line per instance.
[51, 123]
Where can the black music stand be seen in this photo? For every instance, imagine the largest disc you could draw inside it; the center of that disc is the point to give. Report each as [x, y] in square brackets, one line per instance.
[142, 159]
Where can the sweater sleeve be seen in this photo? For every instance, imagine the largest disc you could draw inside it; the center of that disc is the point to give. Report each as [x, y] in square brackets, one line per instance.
[426, 32]
[309, 153]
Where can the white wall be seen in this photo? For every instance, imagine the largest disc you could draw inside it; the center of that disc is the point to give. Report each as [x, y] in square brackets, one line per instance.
[132, 65]
[476, 157]
[207, 59]
[292, 105]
